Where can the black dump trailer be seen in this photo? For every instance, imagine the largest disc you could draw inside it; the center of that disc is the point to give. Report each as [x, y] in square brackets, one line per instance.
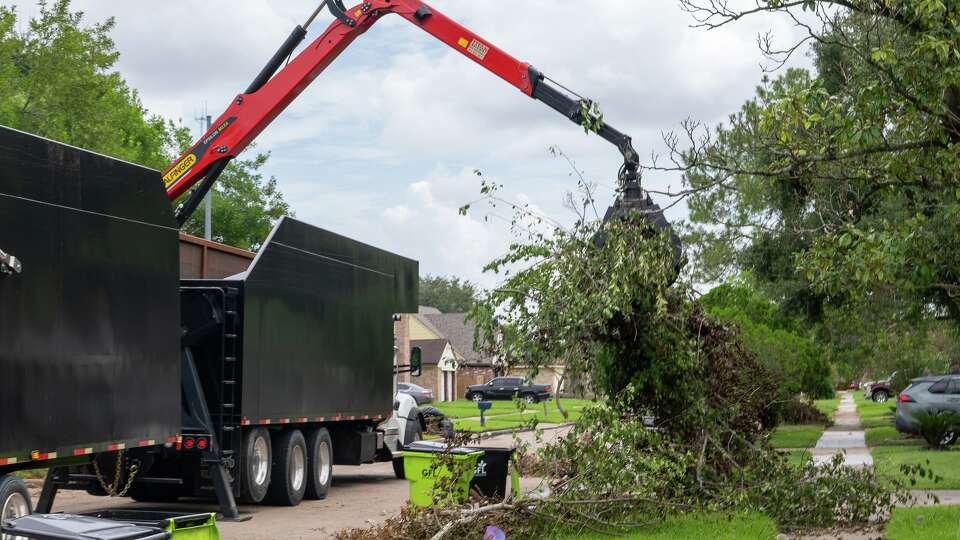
[294, 360]
[124, 379]
[89, 306]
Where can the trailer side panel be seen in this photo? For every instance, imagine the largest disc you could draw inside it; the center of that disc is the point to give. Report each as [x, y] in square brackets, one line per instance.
[89, 333]
[318, 330]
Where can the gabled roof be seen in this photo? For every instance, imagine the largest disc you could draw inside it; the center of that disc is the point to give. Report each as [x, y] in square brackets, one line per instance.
[431, 349]
[457, 330]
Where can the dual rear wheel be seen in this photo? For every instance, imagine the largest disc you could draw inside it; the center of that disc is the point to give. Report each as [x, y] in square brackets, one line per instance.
[285, 467]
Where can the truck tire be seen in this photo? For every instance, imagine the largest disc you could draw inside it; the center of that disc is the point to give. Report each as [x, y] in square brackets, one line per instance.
[14, 499]
[475, 396]
[319, 464]
[530, 398]
[289, 476]
[255, 465]
[880, 396]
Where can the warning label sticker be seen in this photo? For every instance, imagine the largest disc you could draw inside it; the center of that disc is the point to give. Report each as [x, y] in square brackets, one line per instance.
[478, 49]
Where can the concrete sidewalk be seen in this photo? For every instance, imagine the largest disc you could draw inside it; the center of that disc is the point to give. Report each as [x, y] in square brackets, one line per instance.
[845, 437]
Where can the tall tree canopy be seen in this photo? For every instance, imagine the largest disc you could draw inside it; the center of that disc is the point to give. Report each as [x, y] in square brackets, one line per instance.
[448, 294]
[245, 206]
[840, 187]
[784, 345]
[58, 79]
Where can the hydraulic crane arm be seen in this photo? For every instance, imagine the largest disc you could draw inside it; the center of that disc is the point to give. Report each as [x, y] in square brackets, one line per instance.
[275, 88]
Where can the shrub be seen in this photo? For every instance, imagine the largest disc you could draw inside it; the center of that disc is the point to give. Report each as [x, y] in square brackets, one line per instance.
[938, 429]
[798, 410]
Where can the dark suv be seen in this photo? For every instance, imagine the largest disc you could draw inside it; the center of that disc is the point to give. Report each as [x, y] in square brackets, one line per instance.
[880, 391]
[507, 387]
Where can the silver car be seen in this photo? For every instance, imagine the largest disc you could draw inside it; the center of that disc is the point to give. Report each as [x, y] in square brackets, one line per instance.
[420, 394]
[935, 393]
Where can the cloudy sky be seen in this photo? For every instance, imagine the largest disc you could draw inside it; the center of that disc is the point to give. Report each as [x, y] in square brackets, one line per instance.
[382, 147]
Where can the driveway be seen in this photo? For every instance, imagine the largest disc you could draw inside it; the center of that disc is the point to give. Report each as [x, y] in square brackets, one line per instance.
[360, 496]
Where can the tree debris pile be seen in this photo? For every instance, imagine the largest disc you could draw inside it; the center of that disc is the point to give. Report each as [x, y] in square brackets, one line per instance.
[607, 311]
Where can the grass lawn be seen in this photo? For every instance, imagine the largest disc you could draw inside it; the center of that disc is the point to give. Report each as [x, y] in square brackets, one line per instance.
[464, 408]
[887, 460]
[797, 457]
[796, 436]
[928, 522]
[712, 526]
[827, 406]
[876, 422]
[867, 408]
[888, 436]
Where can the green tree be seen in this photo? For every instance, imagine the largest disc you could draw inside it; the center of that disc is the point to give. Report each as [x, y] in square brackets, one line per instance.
[57, 80]
[448, 294]
[841, 186]
[245, 206]
[779, 340]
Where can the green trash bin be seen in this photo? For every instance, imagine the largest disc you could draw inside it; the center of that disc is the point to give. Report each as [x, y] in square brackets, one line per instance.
[419, 467]
[180, 525]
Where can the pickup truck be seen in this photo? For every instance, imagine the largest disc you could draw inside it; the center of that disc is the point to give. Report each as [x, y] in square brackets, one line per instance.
[507, 388]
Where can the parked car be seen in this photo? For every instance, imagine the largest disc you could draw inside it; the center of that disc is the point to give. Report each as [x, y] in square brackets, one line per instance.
[879, 391]
[937, 393]
[420, 394]
[507, 388]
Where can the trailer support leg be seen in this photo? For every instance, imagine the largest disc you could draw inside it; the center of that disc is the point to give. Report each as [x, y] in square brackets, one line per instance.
[228, 505]
[49, 492]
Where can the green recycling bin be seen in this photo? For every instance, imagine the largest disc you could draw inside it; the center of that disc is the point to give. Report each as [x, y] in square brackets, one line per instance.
[423, 467]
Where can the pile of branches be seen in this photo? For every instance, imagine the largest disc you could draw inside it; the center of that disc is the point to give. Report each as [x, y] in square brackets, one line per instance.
[686, 412]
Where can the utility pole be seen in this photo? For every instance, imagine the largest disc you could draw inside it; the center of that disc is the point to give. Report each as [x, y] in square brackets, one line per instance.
[205, 120]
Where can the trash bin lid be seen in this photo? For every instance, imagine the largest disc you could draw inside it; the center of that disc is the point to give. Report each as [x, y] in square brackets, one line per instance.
[437, 447]
[50, 526]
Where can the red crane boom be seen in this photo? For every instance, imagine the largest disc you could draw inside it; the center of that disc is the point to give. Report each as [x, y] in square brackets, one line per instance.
[275, 88]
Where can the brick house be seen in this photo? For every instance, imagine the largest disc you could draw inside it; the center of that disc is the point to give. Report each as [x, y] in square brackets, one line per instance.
[450, 363]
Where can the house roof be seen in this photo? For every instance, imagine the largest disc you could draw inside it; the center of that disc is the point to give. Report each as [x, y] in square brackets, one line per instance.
[427, 310]
[431, 349]
[458, 331]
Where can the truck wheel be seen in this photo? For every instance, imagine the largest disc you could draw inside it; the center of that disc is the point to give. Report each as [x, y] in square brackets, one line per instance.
[530, 398]
[255, 464]
[14, 499]
[319, 464]
[477, 396]
[880, 396]
[289, 476]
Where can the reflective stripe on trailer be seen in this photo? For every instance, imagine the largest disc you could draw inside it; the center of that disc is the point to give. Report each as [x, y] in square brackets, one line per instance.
[38, 456]
[304, 420]
[8, 461]
[82, 451]
[116, 446]
[150, 442]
